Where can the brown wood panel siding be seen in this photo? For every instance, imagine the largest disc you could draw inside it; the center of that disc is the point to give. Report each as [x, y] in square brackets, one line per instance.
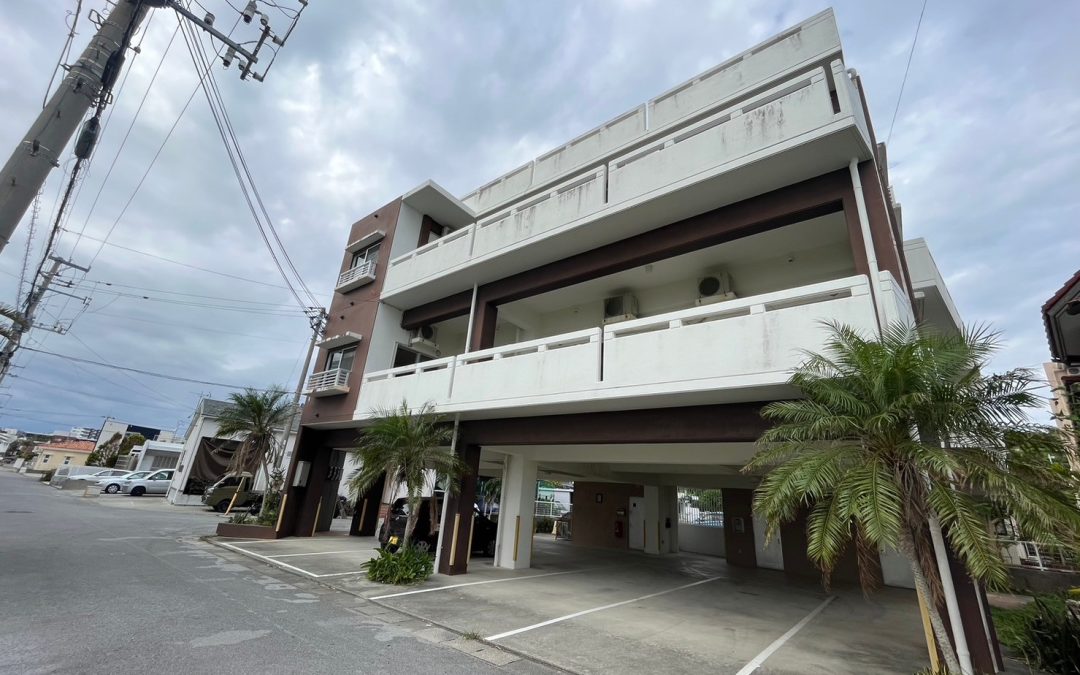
[355, 311]
[428, 225]
[594, 523]
[739, 548]
[734, 423]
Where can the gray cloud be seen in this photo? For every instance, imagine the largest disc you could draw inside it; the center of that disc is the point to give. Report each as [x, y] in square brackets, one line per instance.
[369, 99]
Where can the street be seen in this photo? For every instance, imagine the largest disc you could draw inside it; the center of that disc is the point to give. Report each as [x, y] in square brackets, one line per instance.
[98, 585]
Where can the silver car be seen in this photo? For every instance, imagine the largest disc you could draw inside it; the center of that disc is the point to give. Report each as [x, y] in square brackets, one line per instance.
[111, 484]
[157, 483]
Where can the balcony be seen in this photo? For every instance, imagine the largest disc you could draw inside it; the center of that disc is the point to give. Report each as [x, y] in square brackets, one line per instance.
[328, 383]
[738, 350]
[358, 276]
[795, 129]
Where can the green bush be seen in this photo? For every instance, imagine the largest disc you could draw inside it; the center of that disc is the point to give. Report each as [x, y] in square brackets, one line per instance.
[1046, 633]
[543, 525]
[240, 518]
[409, 565]
[270, 509]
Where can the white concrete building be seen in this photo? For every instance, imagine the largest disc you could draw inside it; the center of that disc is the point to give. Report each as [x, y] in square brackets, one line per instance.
[155, 455]
[616, 311]
[204, 455]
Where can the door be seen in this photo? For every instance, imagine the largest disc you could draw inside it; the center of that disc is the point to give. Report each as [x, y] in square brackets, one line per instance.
[636, 526]
[158, 483]
[769, 555]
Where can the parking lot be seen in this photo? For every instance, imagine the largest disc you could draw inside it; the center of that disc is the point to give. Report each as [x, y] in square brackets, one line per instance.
[596, 611]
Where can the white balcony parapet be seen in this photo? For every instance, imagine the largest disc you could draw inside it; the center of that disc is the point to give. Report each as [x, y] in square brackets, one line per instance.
[708, 353]
[811, 42]
[328, 383]
[362, 274]
[788, 132]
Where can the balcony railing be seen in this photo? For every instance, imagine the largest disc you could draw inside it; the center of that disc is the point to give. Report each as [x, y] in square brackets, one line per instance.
[355, 277]
[724, 352]
[328, 383]
[1033, 555]
[796, 118]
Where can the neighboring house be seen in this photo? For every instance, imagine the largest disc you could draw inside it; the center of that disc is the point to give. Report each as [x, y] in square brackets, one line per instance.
[84, 433]
[1061, 316]
[57, 453]
[616, 311]
[112, 427]
[205, 456]
[154, 455]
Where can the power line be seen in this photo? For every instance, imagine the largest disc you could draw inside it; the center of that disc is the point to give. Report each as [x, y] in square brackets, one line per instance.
[189, 295]
[242, 171]
[188, 326]
[140, 371]
[67, 389]
[903, 82]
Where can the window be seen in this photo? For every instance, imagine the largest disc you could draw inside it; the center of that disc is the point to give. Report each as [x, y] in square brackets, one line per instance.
[407, 357]
[45, 459]
[341, 358]
[369, 254]
[67, 459]
[161, 475]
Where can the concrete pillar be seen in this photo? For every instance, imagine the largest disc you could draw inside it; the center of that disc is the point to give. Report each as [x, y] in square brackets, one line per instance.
[365, 522]
[652, 519]
[513, 546]
[454, 539]
[669, 519]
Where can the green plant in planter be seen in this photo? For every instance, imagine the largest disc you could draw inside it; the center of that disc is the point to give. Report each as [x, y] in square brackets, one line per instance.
[1046, 633]
[409, 565]
[240, 518]
[271, 507]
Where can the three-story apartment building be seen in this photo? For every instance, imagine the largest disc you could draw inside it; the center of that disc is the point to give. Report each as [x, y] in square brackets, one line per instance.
[616, 311]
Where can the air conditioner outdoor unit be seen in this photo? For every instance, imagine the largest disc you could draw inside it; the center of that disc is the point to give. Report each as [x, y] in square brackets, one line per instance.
[620, 307]
[715, 288]
[1074, 370]
[424, 339]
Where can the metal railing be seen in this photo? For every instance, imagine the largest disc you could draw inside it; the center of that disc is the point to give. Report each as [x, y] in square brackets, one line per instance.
[1033, 555]
[363, 269]
[327, 379]
[548, 509]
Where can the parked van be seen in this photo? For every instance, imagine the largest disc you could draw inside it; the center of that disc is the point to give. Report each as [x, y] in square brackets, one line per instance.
[218, 495]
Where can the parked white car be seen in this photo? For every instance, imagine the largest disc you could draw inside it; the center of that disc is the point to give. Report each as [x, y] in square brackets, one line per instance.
[66, 474]
[157, 483]
[111, 484]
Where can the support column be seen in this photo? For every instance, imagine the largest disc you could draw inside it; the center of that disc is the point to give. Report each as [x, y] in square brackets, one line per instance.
[739, 527]
[454, 538]
[302, 502]
[652, 519]
[669, 519]
[366, 511]
[484, 319]
[513, 545]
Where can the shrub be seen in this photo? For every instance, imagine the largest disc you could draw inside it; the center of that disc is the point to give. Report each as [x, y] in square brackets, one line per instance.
[270, 509]
[240, 518]
[409, 565]
[543, 525]
[1045, 633]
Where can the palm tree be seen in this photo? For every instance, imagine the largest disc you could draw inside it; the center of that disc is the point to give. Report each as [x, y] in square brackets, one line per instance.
[861, 451]
[490, 492]
[255, 418]
[405, 446]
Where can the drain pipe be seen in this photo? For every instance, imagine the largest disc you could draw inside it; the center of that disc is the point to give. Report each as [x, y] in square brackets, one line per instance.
[868, 242]
[963, 654]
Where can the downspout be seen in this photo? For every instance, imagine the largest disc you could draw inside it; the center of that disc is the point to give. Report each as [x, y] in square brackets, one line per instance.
[868, 242]
[963, 654]
[940, 552]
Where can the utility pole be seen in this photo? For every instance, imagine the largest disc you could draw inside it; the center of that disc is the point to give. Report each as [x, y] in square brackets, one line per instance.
[91, 76]
[89, 83]
[318, 317]
[24, 322]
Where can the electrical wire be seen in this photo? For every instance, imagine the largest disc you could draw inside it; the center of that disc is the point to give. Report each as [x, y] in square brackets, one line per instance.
[65, 51]
[160, 290]
[900, 96]
[188, 326]
[140, 371]
[67, 389]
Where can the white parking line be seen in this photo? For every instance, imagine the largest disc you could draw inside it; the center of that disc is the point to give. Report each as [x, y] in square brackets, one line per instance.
[264, 558]
[477, 583]
[549, 622]
[756, 662]
[293, 555]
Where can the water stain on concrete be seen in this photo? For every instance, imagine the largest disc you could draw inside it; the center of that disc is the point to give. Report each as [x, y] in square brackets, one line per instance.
[229, 637]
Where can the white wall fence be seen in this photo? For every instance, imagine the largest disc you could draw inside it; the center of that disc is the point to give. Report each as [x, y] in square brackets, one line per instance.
[528, 206]
[1033, 555]
[754, 341]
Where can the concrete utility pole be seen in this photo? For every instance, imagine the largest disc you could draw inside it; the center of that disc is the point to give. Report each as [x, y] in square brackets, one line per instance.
[40, 150]
[25, 322]
[318, 318]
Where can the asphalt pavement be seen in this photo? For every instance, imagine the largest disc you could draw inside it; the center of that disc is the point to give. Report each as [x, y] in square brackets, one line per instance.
[99, 585]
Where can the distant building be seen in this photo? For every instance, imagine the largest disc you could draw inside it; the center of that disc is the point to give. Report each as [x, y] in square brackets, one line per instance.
[83, 433]
[152, 455]
[57, 453]
[1061, 316]
[112, 427]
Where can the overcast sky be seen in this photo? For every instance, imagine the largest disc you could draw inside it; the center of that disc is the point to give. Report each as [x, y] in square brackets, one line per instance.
[369, 99]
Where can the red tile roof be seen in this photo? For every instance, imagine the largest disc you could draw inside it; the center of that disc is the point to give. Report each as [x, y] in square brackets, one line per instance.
[72, 446]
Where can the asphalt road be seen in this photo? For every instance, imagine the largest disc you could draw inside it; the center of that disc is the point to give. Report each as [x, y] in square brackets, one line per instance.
[92, 586]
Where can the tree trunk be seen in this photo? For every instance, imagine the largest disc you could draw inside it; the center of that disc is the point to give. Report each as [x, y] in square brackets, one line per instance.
[410, 523]
[952, 663]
